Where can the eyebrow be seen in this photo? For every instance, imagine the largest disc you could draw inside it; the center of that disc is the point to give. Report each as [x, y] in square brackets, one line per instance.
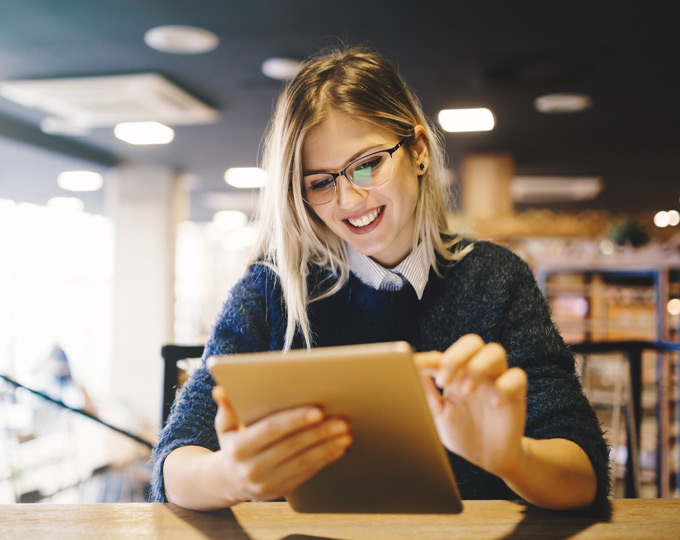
[355, 156]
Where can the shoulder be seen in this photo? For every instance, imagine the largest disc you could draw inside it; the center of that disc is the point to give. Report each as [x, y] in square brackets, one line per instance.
[489, 252]
[490, 260]
[257, 280]
[251, 316]
[259, 273]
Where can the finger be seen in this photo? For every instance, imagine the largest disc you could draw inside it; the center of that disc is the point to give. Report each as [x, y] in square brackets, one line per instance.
[511, 386]
[298, 443]
[225, 419]
[427, 360]
[490, 362]
[456, 357]
[432, 396]
[267, 431]
[303, 466]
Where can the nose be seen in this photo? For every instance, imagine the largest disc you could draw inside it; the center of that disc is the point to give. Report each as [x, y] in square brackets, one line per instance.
[348, 194]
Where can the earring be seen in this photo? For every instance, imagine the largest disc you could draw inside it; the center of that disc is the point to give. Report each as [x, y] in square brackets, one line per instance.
[421, 166]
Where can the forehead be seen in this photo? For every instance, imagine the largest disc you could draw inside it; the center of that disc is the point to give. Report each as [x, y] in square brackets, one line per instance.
[339, 138]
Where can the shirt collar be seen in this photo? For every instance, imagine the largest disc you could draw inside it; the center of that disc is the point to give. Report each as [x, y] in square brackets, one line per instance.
[415, 269]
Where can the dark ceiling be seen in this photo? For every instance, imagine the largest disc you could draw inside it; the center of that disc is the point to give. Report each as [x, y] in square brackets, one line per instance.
[500, 55]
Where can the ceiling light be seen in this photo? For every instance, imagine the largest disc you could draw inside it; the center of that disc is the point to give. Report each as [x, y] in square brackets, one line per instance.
[245, 177]
[460, 120]
[673, 306]
[181, 39]
[662, 219]
[144, 133]
[667, 219]
[230, 220]
[551, 189]
[562, 103]
[66, 204]
[80, 181]
[281, 69]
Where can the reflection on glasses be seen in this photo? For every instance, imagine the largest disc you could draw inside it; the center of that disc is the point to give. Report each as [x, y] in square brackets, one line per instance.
[367, 172]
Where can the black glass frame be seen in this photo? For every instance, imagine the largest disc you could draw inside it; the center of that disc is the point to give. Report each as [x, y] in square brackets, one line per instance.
[343, 172]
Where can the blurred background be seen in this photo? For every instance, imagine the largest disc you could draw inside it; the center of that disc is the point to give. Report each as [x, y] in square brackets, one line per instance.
[130, 136]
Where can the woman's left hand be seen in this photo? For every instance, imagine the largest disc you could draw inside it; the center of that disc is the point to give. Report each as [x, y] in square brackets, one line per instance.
[481, 413]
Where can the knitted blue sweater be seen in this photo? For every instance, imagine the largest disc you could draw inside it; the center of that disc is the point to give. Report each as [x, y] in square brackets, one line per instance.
[490, 292]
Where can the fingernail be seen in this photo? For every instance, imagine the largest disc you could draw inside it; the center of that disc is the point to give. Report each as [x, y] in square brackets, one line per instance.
[345, 440]
[313, 415]
[338, 426]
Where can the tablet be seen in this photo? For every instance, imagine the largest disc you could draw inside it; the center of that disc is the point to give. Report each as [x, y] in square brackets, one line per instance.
[396, 463]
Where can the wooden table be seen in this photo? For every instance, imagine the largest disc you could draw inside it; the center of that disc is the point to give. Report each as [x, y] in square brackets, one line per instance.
[655, 519]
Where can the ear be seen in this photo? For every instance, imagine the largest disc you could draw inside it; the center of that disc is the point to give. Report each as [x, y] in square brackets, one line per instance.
[419, 150]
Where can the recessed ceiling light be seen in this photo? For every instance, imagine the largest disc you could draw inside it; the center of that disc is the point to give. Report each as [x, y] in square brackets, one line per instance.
[246, 177]
[178, 39]
[281, 69]
[662, 219]
[144, 133]
[462, 120]
[80, 180]
[66, 204]
[563, 103]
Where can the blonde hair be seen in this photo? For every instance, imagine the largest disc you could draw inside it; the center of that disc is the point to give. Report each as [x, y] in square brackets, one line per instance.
[360, 82]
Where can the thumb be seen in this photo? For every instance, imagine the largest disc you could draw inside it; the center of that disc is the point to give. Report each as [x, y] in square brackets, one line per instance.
[225, 419]
[434, 399]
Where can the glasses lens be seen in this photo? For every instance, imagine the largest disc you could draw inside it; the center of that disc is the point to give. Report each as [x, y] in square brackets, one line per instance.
[371, 171]
[319, 188]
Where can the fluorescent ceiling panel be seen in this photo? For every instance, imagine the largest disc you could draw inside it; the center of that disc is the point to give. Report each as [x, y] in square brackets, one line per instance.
[106, 101]
[546, 189]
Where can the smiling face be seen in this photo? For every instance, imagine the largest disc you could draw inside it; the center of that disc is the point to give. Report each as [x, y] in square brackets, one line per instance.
[378, 222]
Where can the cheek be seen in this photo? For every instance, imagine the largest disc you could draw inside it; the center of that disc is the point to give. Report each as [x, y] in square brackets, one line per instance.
[409, 191]
[323, 214]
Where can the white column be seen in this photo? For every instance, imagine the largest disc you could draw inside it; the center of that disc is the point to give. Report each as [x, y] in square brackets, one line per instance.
[143, 203]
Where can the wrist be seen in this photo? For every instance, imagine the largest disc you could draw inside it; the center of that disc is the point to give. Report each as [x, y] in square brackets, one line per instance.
[515, 467]
[222, 478]
[196, 478]
[552, 473]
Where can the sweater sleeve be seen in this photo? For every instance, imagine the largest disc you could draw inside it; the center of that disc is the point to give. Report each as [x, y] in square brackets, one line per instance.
[556, 404]
[249, 322]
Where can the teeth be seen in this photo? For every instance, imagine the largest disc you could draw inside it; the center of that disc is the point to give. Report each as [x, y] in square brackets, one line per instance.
[365, 220]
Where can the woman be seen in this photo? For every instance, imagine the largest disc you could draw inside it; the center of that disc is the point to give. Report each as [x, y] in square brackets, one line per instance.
[354, 248]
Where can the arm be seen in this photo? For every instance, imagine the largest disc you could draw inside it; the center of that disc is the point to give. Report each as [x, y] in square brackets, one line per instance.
[191, 480]
[553, 473]
[481, 416]
[204, 459]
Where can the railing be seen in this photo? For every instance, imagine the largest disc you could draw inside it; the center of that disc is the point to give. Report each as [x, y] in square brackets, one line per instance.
[52, 451]
[63, 405]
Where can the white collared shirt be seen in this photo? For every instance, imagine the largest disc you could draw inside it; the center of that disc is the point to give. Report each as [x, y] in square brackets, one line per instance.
[414, 269]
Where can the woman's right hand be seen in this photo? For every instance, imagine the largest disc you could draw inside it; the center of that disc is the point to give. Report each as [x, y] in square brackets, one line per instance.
[271, 457]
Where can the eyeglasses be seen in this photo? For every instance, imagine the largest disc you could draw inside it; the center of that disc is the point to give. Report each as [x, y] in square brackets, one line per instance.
[367, 172]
